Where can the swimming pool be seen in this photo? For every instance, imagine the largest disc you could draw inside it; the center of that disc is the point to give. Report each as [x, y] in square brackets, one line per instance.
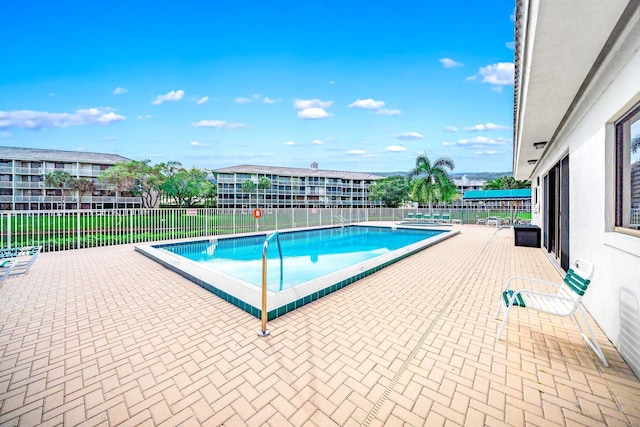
[314, 262]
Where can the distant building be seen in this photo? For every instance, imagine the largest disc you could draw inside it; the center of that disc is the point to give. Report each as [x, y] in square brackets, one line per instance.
[463, 185]
[22, 180]
[294, 187]
[517, 199]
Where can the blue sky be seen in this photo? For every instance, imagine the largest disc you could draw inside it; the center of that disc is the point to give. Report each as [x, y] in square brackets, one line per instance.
[361, 86]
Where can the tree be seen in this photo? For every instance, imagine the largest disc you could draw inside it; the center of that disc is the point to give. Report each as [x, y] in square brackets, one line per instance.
[138, 177]
[264, 184]
[392, 191]
[433, 182]
[506, 183]
[58, 179]
[82, 185]
[119, 178]
[248, 187]
[184, 186]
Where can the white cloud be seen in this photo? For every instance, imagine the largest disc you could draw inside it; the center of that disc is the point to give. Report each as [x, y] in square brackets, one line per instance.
[29, 119]
[146, 116]
[388, 112]
[241, 100]
[317, 142]
[450, 63]
[331, 82]
[174, 95]
[202, 100]
[486, 126]
[497, 74]
[120, 90]
[356, 152]
[409, 135]
[268, 100]
[451, 129]
[482, 141]
[471, 77]
[496, 89]
[313, 113]
[304, 104]
[485, 153]
[448, 144]
[367, 104]
[5, 135]
[218, 124]
[395, 148]
[198, 144]
[510, 45]
[290, 143]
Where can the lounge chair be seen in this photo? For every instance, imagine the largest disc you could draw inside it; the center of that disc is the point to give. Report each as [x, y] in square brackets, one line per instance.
[427, 217]
[436, 217]
[6, 267]
[480, 220]
[418, 216]
[446, 218]
[563, 303]
[410, 216]
[21, 258]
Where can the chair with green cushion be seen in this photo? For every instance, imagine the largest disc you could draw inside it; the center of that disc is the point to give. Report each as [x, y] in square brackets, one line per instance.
[409, 216]
[418, 216]
[563, 303]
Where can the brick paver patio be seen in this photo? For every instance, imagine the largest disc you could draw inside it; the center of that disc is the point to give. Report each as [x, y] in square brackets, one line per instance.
[106, 336]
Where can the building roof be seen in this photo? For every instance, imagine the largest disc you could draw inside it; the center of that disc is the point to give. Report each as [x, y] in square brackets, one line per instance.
[560, 47]
[43, 155]
[522, 193]
[282, 171]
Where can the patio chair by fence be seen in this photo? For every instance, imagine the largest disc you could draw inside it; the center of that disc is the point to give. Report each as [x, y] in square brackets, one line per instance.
[21, 258]
[446, 218]
[5, 270]
[564, 303]
[410, 216]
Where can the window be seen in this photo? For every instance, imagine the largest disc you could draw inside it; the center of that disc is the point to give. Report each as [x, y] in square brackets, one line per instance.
[628, 170]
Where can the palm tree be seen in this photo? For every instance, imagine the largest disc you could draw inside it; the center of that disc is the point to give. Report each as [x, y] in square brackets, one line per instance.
[433, 180]
[264, 184]
[82, 185]
[58, 179]
[248, 187]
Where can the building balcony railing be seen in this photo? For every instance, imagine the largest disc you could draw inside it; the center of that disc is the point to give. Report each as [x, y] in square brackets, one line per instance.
[6, 199]
[28, 171]
[6, 184]
[29, 184]
[6, 169]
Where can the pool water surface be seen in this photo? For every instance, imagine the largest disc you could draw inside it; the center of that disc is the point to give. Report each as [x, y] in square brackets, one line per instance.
[316, 262]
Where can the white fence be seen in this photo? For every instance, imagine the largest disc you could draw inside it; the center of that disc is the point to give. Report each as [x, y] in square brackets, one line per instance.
[74, 229]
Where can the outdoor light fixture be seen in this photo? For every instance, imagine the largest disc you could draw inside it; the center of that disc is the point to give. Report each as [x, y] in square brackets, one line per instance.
[532, 162]
[539, 145]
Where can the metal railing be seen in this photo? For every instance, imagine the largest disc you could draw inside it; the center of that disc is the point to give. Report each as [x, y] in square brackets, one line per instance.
[56, 230]
[265, 247]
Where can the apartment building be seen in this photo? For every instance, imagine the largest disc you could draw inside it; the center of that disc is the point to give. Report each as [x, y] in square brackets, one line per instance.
[22, 180]
[293, 187]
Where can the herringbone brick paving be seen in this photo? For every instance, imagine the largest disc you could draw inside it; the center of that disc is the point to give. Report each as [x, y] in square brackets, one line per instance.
[106, 336]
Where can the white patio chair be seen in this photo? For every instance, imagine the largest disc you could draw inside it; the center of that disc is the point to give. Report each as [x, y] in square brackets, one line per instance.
[6, 267]
[564, 303]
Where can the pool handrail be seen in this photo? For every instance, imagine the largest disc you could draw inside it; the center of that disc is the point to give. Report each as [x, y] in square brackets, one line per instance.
[265, 246]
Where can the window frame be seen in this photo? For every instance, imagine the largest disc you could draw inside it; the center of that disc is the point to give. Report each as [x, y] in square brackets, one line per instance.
[622, 169]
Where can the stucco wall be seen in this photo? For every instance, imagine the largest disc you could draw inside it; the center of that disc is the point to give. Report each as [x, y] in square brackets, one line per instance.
[613, 299]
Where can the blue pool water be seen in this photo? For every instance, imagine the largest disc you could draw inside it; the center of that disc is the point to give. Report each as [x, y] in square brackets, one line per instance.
[307, 254]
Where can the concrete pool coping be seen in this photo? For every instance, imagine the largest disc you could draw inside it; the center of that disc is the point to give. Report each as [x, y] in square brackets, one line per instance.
[248, 296]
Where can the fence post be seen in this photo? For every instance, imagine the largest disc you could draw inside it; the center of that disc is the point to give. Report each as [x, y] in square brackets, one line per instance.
[78, 229]
[9, 229]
